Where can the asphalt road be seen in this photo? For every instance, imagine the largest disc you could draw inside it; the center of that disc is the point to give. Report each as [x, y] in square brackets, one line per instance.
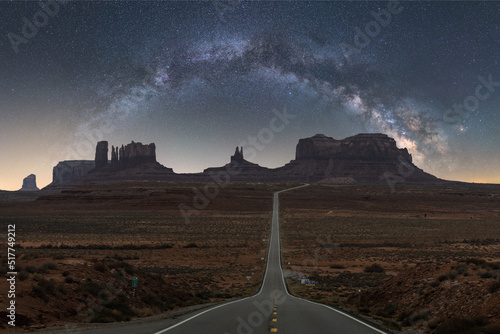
[272, 309]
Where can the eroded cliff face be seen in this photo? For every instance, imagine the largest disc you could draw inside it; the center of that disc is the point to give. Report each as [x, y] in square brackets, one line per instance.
[368, 146]
[70, 170]
[125, 156]
[29, 183]
[363, 158]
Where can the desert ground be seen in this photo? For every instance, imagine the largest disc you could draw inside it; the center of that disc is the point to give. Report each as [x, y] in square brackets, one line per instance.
[425, 258]
[421, 259]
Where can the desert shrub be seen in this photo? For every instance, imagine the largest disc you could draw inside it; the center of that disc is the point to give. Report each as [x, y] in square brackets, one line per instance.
[65, 273]
[50, 265]
[191, 245]
[99, 266]
[388, 311]
[476, 261]
[337, 266]
[31, 269]
[49, 286]
[434, 323]
[124, 265]
[461, 325]
[157, 277]
[452, 275]
[69, 279]
[403, 316]
[118, 257]
[44, 287]
[93, 287]
[121, 305]
[442, 278]
[151, 299]
[374, 268]
[23, 276]
[494, 287]
[435, 284]
[462, 270]
[494, 265]
[39, 292]
[485, 274]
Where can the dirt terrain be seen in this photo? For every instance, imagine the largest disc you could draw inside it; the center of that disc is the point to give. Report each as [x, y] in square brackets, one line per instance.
[79, 251]
[424, 258]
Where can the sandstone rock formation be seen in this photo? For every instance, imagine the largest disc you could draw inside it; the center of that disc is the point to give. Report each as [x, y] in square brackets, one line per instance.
[239, 169]
[70, 170]
[366, 146]
[101, 155]
[29, 183]
[363, 158]
[125, 156]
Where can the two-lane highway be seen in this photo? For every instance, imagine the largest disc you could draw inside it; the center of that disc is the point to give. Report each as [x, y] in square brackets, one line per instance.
[272, 309]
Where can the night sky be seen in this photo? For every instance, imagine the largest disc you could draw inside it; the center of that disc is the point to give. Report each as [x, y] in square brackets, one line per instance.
[199, 78]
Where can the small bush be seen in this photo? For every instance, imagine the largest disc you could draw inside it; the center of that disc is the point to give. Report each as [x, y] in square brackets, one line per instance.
[124, 265]
[494, 265]
[93, 287]
[374, 268]
[452, 275]
[494, 287]
[50, 265]
[39, 292]
[442, 278]
[435, 284]
[434, 323]
[99, 266]
[31, 269]
[476, 261]
[49, 286]
[485, 274]
[69, 279]
[23, 276]
[151, 299]
[388, 311]
[191, 245]
[65, 273]
[461, 325]
[337, 266]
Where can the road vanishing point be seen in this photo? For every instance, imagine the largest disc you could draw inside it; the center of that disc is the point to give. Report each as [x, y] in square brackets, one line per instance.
[271, 310]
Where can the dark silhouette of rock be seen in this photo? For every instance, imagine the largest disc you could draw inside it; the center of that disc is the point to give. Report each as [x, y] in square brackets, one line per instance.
[70, 170]
[366, 146]
[363, 158]
[29, 183]
[101, 155]
[114, 157]
[136, 153]
[238, 155]
[239, 169]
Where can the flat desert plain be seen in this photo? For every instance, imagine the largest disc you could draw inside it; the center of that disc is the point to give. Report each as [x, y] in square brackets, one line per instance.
[420, 259]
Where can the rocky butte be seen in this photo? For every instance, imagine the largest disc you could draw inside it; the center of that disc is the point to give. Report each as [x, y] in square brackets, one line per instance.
[70, 170]
[29, 183]
[372, 158]
[363, 158]
[239, 169]
[134, 161]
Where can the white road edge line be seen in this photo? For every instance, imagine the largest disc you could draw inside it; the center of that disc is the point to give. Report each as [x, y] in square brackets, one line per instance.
[309, 301]
[239, 300]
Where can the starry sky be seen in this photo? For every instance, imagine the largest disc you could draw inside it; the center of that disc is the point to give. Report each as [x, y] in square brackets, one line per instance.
[199, 78]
